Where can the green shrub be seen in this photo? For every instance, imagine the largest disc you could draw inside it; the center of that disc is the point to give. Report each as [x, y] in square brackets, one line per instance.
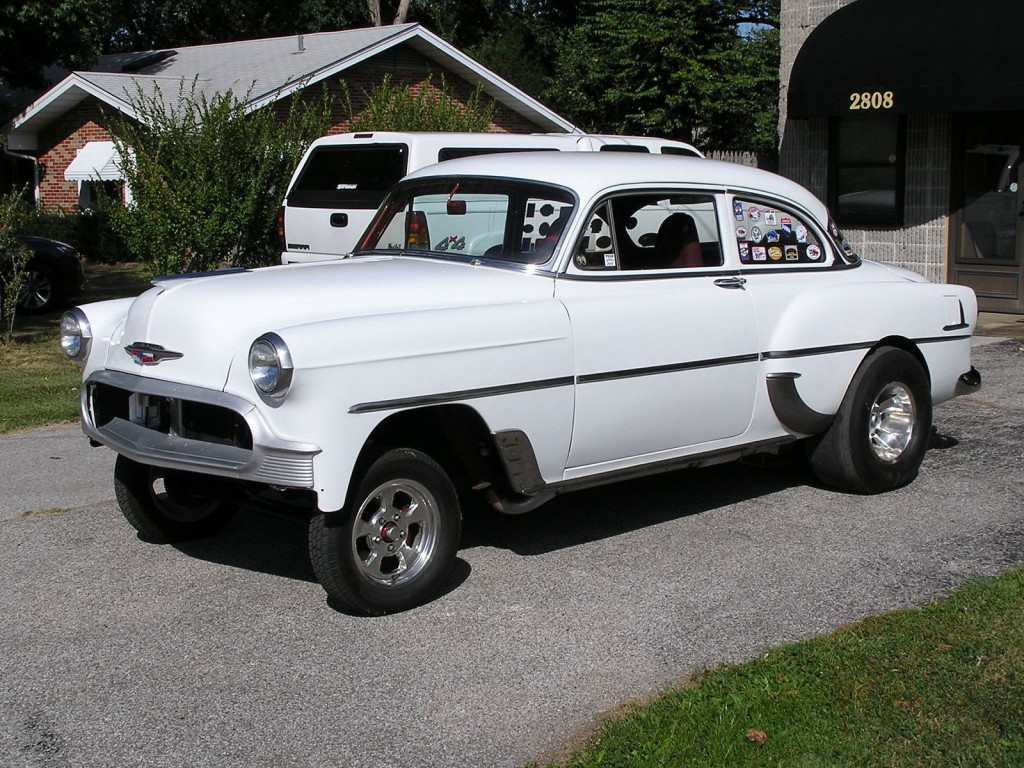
[391, 107]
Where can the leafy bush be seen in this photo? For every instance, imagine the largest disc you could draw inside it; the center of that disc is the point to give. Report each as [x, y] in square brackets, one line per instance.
[13, 258]
[391, 107]
[206, 176]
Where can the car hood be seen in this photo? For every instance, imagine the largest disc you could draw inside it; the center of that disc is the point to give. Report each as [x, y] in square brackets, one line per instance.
[212, 320]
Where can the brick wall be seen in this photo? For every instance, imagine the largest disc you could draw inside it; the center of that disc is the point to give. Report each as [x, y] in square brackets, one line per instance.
[59, 143]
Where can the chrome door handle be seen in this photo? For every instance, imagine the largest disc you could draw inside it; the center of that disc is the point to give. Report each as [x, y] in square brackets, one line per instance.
[731, 282]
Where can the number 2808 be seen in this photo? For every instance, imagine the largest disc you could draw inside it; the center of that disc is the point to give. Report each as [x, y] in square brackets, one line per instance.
[871, 100]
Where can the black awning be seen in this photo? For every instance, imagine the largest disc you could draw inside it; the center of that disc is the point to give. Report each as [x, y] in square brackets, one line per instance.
[916, 55]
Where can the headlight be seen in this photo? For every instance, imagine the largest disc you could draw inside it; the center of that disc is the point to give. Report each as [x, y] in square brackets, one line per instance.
[75, 335]
[270, 365]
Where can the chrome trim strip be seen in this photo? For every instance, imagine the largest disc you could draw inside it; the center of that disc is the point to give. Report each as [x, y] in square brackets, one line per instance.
[627, 373]
[466, 394]
[654, 370]
[810, 351]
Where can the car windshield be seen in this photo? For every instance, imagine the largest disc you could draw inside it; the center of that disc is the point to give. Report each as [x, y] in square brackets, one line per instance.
[479, 218]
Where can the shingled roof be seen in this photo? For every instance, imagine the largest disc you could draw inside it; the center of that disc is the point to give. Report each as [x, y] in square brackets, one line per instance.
[266, 70]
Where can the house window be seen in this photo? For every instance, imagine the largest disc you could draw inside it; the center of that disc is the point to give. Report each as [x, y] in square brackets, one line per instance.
[91, 192]
[867, 169]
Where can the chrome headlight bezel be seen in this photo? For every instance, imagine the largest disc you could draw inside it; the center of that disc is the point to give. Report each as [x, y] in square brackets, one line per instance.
[270, 366]
[75, 335]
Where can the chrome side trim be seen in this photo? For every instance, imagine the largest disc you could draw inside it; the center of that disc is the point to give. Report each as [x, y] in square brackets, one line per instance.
[465, 394]
[590, 378]
[812, 351]
[791, 410]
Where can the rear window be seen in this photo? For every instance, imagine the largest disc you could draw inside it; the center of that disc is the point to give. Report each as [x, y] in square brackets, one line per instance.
[349, 177]
[479, 218]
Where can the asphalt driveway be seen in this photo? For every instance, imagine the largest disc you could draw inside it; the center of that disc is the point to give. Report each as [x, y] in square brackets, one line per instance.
[115, 652]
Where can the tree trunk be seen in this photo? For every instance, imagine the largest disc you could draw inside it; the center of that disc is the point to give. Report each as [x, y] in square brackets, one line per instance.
[374, 6]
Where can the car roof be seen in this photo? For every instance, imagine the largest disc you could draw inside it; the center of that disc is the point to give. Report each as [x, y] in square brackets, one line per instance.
[591, 173]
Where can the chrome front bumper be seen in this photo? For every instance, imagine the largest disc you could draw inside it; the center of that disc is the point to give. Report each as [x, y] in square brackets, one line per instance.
[145, 420]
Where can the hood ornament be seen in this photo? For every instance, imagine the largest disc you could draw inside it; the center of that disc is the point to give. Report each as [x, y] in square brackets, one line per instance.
[150, 354]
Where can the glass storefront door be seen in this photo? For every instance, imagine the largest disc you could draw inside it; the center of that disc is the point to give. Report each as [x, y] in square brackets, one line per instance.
[988, 210]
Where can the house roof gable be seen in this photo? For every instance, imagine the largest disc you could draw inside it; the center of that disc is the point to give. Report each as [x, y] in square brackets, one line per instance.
[263, 71]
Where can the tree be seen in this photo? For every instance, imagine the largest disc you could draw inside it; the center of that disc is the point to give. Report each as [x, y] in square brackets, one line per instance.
[134, 25]
[377, 15]
[14, 257]
[206, 177]
[36, 34]
[677, 68]
[518, 39]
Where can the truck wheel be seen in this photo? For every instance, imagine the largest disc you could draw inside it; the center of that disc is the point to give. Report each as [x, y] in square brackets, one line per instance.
[165, 505]
[879, 437]
[394, 546]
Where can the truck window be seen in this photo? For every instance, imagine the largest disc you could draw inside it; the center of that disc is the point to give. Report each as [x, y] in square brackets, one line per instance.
[454, 153]
[349, 177]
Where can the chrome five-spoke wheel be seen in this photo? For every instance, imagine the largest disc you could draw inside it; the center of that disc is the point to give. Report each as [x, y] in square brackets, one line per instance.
[395, 533]
[891, 422]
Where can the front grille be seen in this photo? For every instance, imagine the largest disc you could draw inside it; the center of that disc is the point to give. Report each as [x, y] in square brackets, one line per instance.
[170, 416]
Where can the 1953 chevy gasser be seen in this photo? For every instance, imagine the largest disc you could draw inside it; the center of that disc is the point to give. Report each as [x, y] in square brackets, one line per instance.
[516, 326]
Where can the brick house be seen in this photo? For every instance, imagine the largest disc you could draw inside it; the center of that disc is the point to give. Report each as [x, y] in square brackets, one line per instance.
[61, 145]
[908, 119]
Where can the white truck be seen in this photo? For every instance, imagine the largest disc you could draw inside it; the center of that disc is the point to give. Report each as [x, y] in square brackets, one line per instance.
[342, 179]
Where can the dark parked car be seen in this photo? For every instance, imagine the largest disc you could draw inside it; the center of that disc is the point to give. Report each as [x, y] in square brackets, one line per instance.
[53, 275]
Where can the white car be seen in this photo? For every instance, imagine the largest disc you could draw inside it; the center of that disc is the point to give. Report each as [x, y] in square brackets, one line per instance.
[516, 327]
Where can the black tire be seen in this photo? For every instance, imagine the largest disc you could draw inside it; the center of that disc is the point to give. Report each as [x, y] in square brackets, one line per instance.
[881, 432]
[38, 292]
[394, 546]
[166, 505]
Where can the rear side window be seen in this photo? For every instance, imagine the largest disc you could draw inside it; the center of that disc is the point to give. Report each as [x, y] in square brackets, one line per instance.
[670, 150]
[770, 236]
[454, 153]
[624, 148]
[349, 177]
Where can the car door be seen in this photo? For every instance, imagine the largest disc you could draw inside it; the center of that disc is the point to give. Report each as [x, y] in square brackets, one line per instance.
[666, 356]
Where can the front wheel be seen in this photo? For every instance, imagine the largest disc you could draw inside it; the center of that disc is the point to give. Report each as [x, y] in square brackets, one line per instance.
[394, 546]
[880, 434]
[166, 505]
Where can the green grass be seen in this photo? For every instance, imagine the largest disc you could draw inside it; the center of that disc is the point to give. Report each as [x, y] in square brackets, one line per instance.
[38, 384]
[937, 686]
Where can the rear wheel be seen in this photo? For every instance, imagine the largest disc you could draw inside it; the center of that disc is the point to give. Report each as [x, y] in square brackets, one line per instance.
[393, 548]
[881, 432]
[166, 505]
